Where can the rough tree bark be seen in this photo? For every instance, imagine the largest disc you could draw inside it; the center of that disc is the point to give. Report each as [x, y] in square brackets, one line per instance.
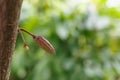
[9, 16]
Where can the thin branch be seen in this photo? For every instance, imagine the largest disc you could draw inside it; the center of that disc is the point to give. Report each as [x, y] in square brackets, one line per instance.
[22, 37]
[21, 29]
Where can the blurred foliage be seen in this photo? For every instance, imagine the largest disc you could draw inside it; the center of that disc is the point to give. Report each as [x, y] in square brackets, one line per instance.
[85, 34]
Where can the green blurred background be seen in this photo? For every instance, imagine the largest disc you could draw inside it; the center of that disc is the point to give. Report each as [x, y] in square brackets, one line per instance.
[85, 34]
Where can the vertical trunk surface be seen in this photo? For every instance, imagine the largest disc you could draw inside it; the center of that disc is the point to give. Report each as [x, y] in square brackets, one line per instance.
[9, 16]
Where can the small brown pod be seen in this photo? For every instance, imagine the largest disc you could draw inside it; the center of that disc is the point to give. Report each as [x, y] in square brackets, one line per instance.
[26, 47]
[44, 43]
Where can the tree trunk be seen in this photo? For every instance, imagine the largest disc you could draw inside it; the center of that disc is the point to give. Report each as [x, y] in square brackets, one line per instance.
[9, 16]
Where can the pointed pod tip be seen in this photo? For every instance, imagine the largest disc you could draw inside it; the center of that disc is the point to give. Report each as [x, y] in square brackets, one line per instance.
[53, 52]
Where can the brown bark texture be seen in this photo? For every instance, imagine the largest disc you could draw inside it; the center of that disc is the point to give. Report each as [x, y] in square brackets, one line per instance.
[9, 16]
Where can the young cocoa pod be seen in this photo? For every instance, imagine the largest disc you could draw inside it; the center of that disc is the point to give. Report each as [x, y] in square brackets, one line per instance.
[44, 43]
